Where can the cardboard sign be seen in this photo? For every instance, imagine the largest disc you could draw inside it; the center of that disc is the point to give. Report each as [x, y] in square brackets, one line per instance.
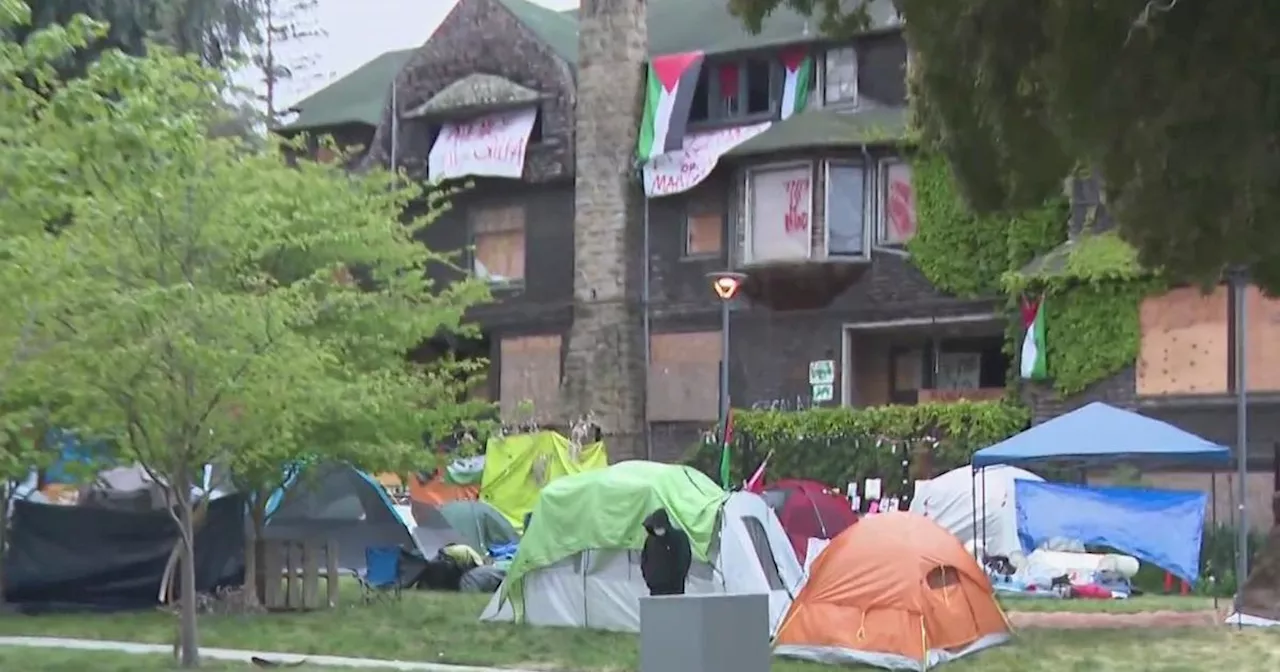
[679, 171]
[489, 146]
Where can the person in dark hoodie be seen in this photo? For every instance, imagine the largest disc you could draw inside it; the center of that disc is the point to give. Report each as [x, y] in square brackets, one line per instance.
[666, 557]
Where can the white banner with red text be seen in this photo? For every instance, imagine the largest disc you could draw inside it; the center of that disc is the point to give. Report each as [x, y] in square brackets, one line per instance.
[679, 171]
[489, 146]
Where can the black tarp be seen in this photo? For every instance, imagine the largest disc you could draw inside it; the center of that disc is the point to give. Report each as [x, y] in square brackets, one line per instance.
[64, 558]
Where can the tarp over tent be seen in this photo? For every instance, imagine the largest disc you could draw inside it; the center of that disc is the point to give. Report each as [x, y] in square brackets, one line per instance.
[518, 467]
[1162, 527]
[335, 501]
[949, 501]
[578, 566]
[894, 591]
[1099, 433]
[88, 558]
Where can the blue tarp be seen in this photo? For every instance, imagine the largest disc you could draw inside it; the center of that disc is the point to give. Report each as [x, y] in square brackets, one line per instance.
[1161, 527]
[1101, 433]
[77, 461]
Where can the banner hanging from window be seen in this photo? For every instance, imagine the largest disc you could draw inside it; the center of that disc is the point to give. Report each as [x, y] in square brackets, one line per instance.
[489, 146]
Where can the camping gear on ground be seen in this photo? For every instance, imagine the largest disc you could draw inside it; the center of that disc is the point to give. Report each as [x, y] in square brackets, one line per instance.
[518, 467]
[380, 577]
[807, 510]
[579, 566]
[950, 500]
[480, 525]
[895, 591]
[66, 558]
[665, 557]
[484, 579]
[1162, 527]
[337, 502]
[467, 558]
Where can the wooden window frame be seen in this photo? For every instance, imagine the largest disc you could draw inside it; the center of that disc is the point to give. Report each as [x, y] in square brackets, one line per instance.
[704, 215]
[717, 117]
[476, 233]
[822, 79]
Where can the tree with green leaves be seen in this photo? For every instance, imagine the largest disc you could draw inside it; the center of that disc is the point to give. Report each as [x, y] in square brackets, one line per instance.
[1170, 102]
[212, 304]
[216, 31]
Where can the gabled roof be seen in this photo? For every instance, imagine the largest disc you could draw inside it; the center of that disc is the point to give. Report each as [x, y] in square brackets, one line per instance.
[358, 98]
[558, 29]
[829, 128]
[475, 91]
[677, 26]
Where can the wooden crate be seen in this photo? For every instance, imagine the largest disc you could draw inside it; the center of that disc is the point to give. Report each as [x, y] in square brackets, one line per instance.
[293, 575]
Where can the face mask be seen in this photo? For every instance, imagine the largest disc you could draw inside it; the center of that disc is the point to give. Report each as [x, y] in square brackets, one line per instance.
[659, 531]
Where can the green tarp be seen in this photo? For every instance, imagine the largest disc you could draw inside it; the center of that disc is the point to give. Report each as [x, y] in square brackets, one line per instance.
[606, 508]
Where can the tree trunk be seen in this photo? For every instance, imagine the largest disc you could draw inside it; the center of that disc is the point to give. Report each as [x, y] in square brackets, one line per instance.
[254, 581]
[188, 636]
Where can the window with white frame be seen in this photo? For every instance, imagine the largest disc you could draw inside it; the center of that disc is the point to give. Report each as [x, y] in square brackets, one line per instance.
[846, 209]
[840, 76]
[779, 213]
[897, 208]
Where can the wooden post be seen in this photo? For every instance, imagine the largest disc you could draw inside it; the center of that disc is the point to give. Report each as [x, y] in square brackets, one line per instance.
[292, 584]
[311, 574]
[271, 569]
[331, 571]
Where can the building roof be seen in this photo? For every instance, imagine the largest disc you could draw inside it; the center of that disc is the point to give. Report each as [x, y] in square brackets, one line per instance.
[475, 91]
[358, 98]
[558, 29]
[675, 26]
[828, 128]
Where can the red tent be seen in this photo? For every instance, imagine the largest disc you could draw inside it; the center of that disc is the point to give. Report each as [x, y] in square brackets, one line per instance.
[807, 511]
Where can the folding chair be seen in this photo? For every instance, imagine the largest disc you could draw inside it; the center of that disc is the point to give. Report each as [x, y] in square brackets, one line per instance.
[380, 578]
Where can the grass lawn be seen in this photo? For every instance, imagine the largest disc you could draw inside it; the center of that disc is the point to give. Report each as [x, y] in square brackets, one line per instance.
[1132, 605]
[442, 627]
[41, 660]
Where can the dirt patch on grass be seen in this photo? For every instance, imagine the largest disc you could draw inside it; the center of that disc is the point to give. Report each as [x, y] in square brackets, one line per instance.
[1148, 619]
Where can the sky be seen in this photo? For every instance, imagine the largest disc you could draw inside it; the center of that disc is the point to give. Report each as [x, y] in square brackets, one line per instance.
[357, 31]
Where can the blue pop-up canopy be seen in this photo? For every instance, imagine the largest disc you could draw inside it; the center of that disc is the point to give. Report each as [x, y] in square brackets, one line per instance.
[1162, 527]
[1099, 433]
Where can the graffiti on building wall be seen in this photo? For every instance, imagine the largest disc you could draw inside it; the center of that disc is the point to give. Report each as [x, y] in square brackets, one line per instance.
[798, 402]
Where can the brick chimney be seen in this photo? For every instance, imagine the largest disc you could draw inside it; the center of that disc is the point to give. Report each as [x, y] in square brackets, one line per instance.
[604, 369]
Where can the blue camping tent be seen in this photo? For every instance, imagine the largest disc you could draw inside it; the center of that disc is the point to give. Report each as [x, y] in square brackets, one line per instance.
[1099, 433]
[1162, 527]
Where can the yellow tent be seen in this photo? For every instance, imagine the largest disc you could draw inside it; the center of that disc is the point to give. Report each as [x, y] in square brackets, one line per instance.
[517, 467]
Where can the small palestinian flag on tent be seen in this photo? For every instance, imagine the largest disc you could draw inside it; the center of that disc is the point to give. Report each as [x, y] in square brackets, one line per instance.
[1034, 364]
[667, 99]
[797, 65]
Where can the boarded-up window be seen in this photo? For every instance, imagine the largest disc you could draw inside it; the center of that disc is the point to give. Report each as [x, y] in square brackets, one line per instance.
[684, 377]
[1185, 343]
[530, 375]
[703, 232]
[498, 234]
[897, 204]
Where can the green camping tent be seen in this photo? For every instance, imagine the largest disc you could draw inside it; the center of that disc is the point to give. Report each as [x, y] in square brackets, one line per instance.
[480, 525]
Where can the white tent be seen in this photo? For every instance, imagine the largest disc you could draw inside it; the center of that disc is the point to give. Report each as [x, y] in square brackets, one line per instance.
[949, 501]
[601, 589]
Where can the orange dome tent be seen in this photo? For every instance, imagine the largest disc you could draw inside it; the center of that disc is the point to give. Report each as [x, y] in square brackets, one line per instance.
[894, 591]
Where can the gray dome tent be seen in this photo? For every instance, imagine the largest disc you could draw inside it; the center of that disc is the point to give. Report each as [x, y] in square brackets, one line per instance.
[479, 524]
[339, 503]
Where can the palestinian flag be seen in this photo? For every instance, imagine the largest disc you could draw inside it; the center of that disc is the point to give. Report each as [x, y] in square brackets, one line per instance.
[667, 100]
[1033, 362]
[798, 65]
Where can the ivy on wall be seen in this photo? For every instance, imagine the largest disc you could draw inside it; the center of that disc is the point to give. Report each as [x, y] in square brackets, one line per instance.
[968, 255]
[1093, 286]
[1093, 289]
[842, 445]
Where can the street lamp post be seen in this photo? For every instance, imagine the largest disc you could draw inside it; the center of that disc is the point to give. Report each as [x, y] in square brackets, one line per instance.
[726, 285]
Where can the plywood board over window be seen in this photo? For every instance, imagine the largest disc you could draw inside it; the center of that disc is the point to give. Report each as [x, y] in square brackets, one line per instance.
[1262, 357]
[684, 377]
[498, 234]
[530, 374]
[1185, 343]
[703, 233]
